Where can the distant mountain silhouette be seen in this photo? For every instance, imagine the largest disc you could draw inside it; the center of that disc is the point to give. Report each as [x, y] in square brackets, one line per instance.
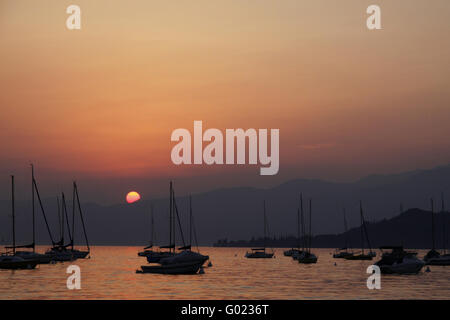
[411, 229]
[236, 213]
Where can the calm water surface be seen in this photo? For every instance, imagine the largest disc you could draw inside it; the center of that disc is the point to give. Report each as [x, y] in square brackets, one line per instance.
[110, 274]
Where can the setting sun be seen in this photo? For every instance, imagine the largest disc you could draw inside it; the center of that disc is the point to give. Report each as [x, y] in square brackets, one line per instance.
[133, 196]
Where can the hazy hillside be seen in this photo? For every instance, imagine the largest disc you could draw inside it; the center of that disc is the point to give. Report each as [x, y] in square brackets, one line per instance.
[412, 229]
[236, 213]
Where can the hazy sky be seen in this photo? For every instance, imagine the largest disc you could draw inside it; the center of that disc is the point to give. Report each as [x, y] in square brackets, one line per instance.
[99, 104]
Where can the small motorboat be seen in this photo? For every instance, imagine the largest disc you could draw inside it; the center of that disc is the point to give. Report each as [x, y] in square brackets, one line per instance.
[399, 261]
[259, 253]
[15, 262]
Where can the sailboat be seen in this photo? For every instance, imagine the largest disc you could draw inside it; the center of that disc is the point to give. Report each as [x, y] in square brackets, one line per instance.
[433, 257]
[343, 252]
[185, 262]
[362, 255]
[261, 252]
[10, 260]
[298, 250]
[148, 250]
[307, 257]
[67, 252]
[42, 258]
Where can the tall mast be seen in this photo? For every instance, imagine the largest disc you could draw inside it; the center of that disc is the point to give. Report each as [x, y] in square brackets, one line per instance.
[43, 212]
[67, 217]
[152, 222]
[32, 207]
[264, 211]
[310, 223]
[302, 222]
[170, 216]
[63, 212]
[432, 223]
[345, 231]
[13, 215]
[59, 216]
[443, 224]
[298, 225]
[81, 216]
[73, 217]
[362, 226]
[190, 220]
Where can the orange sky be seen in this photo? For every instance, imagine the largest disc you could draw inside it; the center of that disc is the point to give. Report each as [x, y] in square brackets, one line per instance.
[103, 101]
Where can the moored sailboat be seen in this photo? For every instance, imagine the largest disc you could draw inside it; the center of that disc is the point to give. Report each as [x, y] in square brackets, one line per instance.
[434, 257]
[296, 251]
[33, 255]
[306, 256]
[185, 262]
[260, 253]
[362, 256]
[343, 252]
[10, 260]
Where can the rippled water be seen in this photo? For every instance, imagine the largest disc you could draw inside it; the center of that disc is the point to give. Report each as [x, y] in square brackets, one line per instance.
[110, 274]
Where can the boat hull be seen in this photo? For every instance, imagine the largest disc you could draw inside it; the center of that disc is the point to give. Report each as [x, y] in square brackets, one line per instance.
[359, 257]
[440, 261]
[156, 256]
[41, 258]
[342, 255]
[14, 264]
[177, 268]
[405, 266]
[258, 255]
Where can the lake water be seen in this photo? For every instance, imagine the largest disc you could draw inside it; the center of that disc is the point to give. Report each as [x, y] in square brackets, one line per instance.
[111, 274]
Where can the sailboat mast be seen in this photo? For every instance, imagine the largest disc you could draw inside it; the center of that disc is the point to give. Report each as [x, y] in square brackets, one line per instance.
[32, 207]
[432, 223]
[59, 216]
[443, 223]
[298, 227]
[13, 215]
[345, 231]
[170, 216]
[302, 222]
[362, 225]
[81, 216]
[73, 217]
[151, 222]
[264, 211]
[63, 212]
[190, 220]
[310, 223]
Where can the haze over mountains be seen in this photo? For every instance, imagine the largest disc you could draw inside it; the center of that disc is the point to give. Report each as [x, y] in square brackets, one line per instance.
[236, 213]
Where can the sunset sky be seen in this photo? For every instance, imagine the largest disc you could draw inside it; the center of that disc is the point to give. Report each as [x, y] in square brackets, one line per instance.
[99, 104]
